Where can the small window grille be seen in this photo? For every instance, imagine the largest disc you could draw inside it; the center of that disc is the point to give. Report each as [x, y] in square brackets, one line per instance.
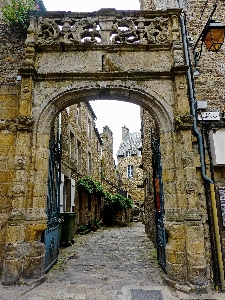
[130, 171]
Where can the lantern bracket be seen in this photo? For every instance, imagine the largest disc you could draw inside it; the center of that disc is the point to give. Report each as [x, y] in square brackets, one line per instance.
[197, 54]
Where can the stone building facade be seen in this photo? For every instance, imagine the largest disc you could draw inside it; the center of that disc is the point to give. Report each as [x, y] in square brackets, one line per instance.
[148, 66]
[81, 155]
[147, 125]
[208, 86]
[109, 176]
[129, 160]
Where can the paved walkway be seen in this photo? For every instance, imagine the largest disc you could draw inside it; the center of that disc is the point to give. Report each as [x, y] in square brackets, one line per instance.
[110, 264]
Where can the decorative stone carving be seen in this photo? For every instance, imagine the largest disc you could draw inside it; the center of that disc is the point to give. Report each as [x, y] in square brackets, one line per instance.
[190, 187]
[183, 122]
[221, 68]
[187, 160]
[19, 189]
[181, 86]
[178, 58]
[26, 89]
[103, 30]
[36, 214]
[20, 124]
[20, 163]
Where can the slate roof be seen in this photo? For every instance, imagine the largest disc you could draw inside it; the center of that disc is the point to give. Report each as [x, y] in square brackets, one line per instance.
[131, 143]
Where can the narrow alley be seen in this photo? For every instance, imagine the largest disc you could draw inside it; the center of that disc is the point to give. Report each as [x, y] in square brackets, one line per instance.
[112, 263]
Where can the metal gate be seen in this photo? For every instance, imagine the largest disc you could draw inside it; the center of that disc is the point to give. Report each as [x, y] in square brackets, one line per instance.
[52, 233]
[159, 202]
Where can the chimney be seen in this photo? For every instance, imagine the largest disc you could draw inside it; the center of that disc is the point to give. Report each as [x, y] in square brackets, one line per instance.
[125, 132]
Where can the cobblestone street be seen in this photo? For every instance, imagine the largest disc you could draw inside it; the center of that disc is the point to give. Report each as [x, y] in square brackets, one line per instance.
[112, 263]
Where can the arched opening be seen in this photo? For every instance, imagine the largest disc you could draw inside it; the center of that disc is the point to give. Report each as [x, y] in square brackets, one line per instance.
[155, 121]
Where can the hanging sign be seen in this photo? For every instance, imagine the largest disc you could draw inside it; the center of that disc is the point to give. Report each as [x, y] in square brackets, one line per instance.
[222, 203]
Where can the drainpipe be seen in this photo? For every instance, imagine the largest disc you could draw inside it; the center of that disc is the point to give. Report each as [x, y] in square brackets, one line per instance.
[208, 180]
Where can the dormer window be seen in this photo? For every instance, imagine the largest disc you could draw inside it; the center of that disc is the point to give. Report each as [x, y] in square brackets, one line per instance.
[128, 154]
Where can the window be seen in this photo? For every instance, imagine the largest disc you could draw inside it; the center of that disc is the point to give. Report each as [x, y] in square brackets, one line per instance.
[79, 155]
[128, 154]
[89, 163]
[89, 128]
[72, 145]
[130, 171]
[79, 116]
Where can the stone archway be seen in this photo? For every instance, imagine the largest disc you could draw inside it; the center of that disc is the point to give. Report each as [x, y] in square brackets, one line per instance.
[143, 65]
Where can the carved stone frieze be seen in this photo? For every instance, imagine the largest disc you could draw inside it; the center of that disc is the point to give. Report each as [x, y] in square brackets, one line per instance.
[183, 122]
[19, 124]
[102, 30]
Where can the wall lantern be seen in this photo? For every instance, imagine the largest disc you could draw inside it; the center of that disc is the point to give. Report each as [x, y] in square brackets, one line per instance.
[212, 35]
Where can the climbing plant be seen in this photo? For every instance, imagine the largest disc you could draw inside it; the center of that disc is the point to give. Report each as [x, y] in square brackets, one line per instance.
[15, 13]
[91, 186]
[113, 204]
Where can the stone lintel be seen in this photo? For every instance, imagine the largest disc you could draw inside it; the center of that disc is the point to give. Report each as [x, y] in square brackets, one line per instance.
[106, 76]
[63, 47]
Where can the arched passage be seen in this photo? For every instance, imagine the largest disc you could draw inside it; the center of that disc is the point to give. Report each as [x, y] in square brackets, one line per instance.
[161, 120]
[160, 111]
[145, 66]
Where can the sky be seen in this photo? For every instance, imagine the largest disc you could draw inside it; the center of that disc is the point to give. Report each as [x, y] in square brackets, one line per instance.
[115, 114]
[90, 5]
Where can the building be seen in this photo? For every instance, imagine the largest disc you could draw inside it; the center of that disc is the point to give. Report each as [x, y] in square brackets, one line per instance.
[109, 176]
[152, 69]
[81, 156]
[129, 161]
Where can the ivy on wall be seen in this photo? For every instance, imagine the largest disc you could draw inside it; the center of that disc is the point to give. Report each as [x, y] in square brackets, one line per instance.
[114, 202]
[91, 186]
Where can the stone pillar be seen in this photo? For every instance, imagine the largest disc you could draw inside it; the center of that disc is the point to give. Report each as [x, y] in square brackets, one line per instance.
[27, 220]
[185, 251]
[9, 100]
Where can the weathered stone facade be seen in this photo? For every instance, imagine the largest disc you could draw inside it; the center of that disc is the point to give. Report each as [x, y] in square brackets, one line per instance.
[108, 169]
[145, 65]
[129, 162]
[149, 202]
[81, 155]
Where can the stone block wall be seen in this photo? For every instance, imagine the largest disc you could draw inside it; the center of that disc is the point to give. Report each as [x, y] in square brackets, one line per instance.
[90, 207]
[131, 184]
[74, 130]
[9, 103]
[11, 53]
[209, 86]
[149, 202]
[108, 169]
